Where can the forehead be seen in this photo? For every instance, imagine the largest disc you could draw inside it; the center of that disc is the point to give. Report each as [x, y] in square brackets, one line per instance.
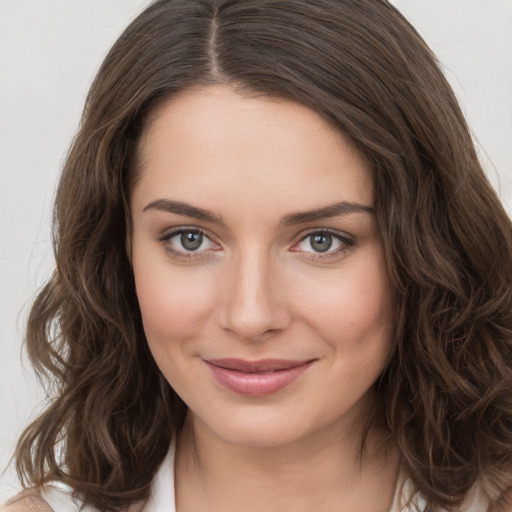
[220, 145]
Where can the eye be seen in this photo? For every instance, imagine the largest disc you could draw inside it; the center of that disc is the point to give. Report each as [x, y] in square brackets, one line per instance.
[323, 244]
[318, 242]
[187, 242]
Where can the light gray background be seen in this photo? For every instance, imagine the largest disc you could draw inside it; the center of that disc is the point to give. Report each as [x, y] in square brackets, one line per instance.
[49, 53]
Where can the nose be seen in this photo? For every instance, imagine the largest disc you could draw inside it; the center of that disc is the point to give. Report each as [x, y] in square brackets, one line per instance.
[254, 304]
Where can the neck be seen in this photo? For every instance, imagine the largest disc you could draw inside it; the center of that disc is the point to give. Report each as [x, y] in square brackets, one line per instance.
[325, 471]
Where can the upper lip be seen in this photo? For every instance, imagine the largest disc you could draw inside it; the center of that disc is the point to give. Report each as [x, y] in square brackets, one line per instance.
[262, 365]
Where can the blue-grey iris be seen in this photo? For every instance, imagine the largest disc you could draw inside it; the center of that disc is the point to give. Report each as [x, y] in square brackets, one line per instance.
[191, 240]
[321, 242]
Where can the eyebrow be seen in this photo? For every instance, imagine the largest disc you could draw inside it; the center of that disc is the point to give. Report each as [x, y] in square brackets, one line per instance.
[180, 208]
[333, 210]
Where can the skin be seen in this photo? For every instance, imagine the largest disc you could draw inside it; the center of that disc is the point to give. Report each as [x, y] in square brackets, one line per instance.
[258, 288]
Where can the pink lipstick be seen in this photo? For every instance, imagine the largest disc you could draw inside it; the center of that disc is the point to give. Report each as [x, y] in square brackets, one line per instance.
[257, 378]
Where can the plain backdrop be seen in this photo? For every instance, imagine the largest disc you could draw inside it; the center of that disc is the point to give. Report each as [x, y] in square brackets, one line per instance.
[49, 53]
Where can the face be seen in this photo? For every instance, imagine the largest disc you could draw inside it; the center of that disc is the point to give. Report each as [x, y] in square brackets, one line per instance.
[259, 267]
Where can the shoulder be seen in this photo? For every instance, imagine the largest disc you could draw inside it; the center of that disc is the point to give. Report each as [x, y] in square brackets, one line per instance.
[504, 503]
[54, 498]
[29, 500]
[50, 498]
[481, 499]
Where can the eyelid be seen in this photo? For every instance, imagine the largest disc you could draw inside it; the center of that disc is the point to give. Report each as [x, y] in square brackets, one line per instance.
[341, 235]
[347, 243]
[168, 234]
[171, 231]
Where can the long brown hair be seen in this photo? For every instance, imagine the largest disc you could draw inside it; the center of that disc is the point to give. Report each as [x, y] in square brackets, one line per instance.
[446, 394]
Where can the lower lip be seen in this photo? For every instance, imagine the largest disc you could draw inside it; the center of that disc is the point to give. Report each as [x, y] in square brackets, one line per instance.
[257, 384]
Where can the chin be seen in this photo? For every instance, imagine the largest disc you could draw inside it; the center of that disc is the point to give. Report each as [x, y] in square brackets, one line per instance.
[260, 435]
[264, 426]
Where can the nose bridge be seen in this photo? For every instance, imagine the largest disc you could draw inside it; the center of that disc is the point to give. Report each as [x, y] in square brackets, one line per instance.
[252, 307]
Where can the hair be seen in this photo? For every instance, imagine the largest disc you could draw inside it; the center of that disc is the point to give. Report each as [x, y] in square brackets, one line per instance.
[446, 394]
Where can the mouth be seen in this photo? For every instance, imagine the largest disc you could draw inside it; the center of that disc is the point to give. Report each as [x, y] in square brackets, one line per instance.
[257, 378]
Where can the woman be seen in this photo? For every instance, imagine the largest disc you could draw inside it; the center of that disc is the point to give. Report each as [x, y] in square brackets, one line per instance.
[282, 281]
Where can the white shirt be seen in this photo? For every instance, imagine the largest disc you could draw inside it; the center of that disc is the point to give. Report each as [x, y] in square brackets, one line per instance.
[162, 498]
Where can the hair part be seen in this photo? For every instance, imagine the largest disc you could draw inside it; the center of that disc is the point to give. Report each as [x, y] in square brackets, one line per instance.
[445, 396]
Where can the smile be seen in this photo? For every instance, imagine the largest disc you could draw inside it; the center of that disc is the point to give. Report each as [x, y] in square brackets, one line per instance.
[257, 378]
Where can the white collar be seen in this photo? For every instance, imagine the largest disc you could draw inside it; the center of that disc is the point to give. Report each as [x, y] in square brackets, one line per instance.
[59, 496]
[162, 497]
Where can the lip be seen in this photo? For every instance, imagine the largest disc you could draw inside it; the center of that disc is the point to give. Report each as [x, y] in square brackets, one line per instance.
[257, 378]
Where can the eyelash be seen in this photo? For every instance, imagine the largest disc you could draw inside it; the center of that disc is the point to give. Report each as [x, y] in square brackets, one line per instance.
[345, 244]
[183, 255]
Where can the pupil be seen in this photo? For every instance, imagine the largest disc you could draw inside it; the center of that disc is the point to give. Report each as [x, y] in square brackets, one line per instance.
[191, 240]
[321, 243]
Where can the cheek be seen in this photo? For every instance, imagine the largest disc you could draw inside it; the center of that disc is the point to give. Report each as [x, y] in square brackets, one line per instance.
[352, 310]
[173, 306]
